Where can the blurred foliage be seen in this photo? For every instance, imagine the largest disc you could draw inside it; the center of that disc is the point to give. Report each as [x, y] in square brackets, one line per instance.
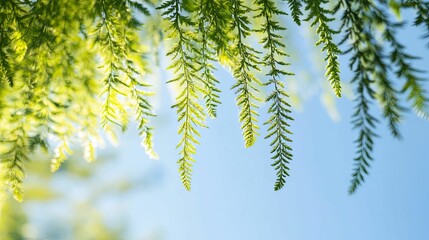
[79, 217]
[69, 66]
[12, 220]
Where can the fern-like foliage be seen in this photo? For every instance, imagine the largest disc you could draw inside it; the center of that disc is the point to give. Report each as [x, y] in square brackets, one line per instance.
[422, 14]
[115, 34]
[6, 72]
[190, 112]
[88, 129]
[210, 25]
[15, 155]
[279, 110]
[365, 53]
[321, 16]
[247, 84]
[295, 8]
[363, 21]
[68, 66]
[54, 81]
[109, 32]
[413, 85]
[388, 98]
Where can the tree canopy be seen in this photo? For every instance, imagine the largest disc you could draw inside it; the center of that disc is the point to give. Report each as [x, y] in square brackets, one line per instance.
[68, 67]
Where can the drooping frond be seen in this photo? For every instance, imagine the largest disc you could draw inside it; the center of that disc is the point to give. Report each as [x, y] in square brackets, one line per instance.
[88, 131]
[246, 86]
[68, 66]
[368, 21]
[279, 110]
[211, 27]
[321, 16]
[422, 14]
[47, 70]
[6, 45]
[413, 85]
[116, 36]
[365, 54]
[364, 21]
[12, 47]
[189, 111]
[108, 34]
[295, 8]
[218, 18]
[15, 154]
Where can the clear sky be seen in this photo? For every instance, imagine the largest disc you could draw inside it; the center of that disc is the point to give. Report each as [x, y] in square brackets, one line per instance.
[232, 195]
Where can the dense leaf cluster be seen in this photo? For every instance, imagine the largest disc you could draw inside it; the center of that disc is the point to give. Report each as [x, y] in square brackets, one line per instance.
[69, 66]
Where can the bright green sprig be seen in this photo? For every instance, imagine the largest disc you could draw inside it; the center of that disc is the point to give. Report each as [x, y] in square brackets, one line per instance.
[49, 81]
[87, 101]
[10, 45]
[208, 26]
[246, 86]
[53, 106]
[142, 108]
[190, 112]
[138, 88]
[108, 35]
[14, 157]
[85, 95]
[6, 72]
[279, 110]
[37, 69]
[116, 36]
[320, 16]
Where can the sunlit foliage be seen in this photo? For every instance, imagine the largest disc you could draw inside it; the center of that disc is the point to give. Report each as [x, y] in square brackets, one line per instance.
[79, 218]
[69, 67]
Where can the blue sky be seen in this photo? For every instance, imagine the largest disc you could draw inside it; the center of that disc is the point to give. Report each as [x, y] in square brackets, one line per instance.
[232, 196]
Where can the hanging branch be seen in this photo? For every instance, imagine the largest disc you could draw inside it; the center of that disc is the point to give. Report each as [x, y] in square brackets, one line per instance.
[53, 94]
[422, 14]
[413, 81]
[295, 7]
[211, 25]
[116, 36]
[362, 62]
[15, 154]
[279, 110]
[320, 16]
[190, 113]
[247, 85]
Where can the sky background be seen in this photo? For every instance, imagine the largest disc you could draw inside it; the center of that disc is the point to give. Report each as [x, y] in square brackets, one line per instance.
[232, 193]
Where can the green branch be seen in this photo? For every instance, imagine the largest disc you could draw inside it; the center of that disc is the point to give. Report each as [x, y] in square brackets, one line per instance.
[208, 26]
[279, 110]
[15, 156]
[295, 7]
[365, 56]
[246, 86]
[320, 16]
[190, 113]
